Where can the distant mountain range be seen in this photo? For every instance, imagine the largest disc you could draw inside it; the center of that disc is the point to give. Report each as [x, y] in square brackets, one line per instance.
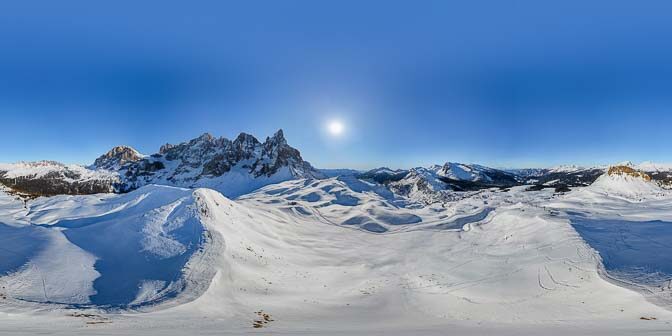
[437, 183]
[235, 167]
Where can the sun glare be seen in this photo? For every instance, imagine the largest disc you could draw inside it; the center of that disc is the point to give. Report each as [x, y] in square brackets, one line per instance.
[335, 127]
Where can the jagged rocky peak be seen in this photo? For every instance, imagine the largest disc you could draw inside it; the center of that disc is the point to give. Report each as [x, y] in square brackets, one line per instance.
[117, 157]
[278, 138]
[245, 144]
[165, 148]
[276, 147]
[277, 153]
[206, 137]
[208, 160]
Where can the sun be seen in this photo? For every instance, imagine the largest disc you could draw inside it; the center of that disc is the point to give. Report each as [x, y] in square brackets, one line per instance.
[335, 127]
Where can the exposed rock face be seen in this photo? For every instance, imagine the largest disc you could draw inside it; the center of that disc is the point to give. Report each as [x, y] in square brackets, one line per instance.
[215, 162]
[117, 157]
[628, 171]
[276, 153]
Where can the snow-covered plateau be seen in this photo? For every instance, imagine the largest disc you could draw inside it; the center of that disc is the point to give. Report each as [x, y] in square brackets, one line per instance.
[388, 252]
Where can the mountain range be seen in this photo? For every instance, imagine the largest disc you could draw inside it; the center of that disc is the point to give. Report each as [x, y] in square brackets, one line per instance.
[239, 166]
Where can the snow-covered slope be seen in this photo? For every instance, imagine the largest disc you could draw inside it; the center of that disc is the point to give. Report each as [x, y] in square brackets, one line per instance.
[386, 251]
[129, 250]
[494, 260]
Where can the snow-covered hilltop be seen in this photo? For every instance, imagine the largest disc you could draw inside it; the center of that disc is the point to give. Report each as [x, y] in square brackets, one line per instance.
[627, 181]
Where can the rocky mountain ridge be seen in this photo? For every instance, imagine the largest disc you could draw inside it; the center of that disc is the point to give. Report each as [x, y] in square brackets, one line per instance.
[231, 167]
[117, 157]
[207, 161]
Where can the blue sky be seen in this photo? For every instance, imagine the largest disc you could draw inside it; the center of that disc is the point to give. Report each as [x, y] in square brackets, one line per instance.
[507, 84]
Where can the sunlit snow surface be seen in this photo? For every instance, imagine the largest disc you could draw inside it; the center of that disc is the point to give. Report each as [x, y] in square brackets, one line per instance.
[333, 256]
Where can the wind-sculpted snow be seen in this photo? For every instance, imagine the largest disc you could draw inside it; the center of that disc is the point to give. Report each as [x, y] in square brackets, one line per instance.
[138, 249]
[354, 203]
[132, 250]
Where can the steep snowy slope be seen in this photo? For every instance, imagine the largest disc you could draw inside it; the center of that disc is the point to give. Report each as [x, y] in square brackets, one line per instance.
[129, 250]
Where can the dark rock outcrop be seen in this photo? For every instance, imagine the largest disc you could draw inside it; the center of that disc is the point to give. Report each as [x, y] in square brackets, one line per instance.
[48, 178]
